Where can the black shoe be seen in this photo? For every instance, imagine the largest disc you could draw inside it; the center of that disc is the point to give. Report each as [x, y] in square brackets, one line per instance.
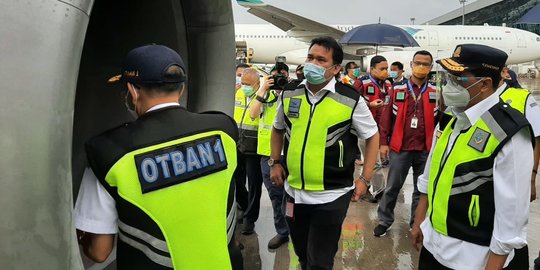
[368, 197]
[248, 228]
[277, 241]
[380, 230]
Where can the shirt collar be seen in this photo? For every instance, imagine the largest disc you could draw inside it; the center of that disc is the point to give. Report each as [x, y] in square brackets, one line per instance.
[475, 112]
[501, 89]
[330, 86]
[163, 105]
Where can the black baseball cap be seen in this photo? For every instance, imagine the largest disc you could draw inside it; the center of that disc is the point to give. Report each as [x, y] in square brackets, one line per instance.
[285, 67]
[147, 65]
[467, 57]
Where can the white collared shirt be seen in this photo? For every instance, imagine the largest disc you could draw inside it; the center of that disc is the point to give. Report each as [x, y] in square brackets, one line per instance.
[95, 209]
[362, 122]
[511, 183]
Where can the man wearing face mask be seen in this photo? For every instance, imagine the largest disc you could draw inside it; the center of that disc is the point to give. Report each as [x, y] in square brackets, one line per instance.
[474, 207]
[406, 129]
[396, 72]
[352, 72]
[314, 124]
[375, 86]
[239, 70]
[248, 159]
[146, 177]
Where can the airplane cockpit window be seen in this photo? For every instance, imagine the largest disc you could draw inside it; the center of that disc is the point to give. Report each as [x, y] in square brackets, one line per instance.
[538, 39]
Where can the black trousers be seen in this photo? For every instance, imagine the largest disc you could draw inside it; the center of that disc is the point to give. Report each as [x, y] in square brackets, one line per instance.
[519, 262]
[240, 181]
[315, 230]
[252, 168]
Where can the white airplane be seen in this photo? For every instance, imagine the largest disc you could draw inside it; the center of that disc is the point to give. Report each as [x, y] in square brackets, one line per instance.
[289, 35]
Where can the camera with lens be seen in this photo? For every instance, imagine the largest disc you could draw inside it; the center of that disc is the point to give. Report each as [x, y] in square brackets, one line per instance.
[280, 80]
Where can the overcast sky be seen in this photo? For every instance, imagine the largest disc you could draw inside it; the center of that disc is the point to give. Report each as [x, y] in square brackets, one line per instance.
[356, 12]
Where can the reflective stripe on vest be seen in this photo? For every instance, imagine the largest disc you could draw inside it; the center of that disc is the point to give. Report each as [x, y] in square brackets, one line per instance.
[460, 190]
[265, 125]
[399, 109]
[515, 97]
[247, 127]
[318, 139]
[177, 207]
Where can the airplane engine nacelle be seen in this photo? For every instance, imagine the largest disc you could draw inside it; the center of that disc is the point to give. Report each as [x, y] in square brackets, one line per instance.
[56, 59]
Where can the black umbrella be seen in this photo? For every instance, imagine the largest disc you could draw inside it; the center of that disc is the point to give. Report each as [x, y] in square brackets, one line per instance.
[378, 34]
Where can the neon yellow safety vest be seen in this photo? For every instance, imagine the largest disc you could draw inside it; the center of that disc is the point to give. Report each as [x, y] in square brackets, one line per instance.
[172, 194]
[460, 191]
[319, 147]
[516, 97]
[265, 124]
[247, 127]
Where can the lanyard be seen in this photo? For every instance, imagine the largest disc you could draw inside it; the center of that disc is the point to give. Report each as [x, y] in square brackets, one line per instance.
[374, 81]
[411, 92]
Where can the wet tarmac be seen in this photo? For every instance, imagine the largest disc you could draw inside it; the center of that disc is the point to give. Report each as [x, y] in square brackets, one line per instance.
[358, 248]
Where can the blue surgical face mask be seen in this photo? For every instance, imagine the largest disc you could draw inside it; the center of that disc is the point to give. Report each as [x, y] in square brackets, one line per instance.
[356, 72]
[238, 80]
[314, 73]
[393, 74]
[247, 89]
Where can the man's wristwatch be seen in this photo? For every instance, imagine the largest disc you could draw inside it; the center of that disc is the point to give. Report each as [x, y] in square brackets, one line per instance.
[272, 162]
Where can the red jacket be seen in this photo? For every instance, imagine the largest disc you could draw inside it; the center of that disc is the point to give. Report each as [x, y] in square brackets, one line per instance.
[372, 90]
[399, 104]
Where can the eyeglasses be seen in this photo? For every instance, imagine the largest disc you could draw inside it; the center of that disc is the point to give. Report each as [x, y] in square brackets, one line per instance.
[448, 77]
[416, 63]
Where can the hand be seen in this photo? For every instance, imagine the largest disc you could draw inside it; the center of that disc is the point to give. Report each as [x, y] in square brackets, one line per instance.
[533, 191]
[376, 104]
[359, 189]
[268, 83]
[237, 86]
[416, 236]
[384, 150]
[277, 175]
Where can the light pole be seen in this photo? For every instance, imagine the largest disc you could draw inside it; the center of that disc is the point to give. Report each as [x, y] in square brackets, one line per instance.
[412, 20]
[463, 16]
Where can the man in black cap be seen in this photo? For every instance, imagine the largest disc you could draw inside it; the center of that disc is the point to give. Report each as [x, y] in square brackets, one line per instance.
[163, 182]
[480, 161]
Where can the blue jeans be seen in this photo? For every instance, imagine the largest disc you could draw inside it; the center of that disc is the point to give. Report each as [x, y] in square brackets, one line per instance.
[276, 197]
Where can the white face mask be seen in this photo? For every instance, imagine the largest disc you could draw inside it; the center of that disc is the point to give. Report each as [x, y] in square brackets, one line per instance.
[456, 95]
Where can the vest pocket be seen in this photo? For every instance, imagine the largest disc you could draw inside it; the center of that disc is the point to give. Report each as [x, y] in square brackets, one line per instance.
[340, 153]
[474, 211]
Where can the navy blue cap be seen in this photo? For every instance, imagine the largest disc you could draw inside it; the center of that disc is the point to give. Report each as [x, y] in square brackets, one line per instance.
[467, 57]
[147, 65]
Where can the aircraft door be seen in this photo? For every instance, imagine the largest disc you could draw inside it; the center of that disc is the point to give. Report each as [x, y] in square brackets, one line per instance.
[521, 41]
[433, 38]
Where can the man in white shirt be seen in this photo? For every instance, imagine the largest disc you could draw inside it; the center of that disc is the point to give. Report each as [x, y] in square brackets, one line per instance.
[317, 119]
[473, 210]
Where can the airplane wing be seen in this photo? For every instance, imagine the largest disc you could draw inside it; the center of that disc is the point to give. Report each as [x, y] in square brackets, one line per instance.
[296, 26]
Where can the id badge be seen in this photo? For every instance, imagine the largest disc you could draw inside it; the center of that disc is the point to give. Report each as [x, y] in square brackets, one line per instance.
[414, 122]
[289, 211]
[387, 100]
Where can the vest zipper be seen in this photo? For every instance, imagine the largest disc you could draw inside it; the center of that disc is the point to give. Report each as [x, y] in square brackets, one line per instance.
[439, 175]
[304, 146]
[474, 211]
[340, 153]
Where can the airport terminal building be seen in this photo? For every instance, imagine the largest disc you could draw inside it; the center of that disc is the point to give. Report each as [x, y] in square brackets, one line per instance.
[522, 14]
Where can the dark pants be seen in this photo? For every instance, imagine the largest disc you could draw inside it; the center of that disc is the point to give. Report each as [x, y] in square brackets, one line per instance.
[240, 181]
[276, 197]
[400, 163]
[315, 230]
[254, 176]
[519, 262]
